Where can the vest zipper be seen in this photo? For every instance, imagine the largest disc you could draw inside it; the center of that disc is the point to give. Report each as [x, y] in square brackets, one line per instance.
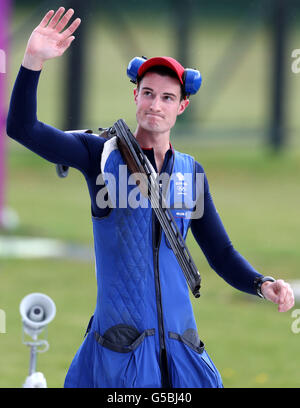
[161, 331]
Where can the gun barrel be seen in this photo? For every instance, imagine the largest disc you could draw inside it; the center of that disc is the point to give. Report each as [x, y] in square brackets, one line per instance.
[157, 201]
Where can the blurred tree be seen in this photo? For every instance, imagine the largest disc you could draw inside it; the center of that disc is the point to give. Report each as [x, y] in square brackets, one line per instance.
[278, 100]
[75, 69]
[183, 12]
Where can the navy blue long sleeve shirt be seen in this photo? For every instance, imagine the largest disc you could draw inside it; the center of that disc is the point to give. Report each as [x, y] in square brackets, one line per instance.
[83, 152]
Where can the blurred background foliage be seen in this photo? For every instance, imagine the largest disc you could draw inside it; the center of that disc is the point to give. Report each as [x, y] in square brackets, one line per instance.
[228, 129]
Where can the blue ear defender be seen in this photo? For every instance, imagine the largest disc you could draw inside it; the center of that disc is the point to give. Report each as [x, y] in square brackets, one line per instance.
[192, 78]
[133, 67]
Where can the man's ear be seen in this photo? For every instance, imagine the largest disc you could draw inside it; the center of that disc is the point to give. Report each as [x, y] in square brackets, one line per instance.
[135, 93]
[183, 105]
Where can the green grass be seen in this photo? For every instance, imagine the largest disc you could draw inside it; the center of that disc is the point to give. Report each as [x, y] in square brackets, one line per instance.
[256, 193]
[257, 196]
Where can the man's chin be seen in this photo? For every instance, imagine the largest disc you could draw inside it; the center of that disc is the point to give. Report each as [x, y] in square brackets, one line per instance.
[153, 126]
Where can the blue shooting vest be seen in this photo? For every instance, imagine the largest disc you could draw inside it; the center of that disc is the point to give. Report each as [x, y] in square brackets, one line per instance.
[143, 309]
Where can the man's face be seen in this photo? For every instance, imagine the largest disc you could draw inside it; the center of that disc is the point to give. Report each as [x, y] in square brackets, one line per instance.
[158, 102]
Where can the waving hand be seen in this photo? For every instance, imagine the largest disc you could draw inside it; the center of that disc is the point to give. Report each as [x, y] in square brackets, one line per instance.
[50, 39]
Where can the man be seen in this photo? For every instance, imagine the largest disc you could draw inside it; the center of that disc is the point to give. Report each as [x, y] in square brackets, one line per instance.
[143, 332]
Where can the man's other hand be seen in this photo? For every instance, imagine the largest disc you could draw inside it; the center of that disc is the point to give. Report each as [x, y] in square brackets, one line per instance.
[279, 292]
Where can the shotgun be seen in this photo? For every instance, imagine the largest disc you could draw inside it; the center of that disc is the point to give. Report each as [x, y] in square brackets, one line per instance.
[137, 162]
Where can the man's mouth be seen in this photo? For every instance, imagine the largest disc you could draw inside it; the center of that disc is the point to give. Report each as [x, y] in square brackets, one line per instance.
[154, 115]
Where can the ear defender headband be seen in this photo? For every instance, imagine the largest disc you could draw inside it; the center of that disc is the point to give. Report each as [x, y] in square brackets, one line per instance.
[191, 79]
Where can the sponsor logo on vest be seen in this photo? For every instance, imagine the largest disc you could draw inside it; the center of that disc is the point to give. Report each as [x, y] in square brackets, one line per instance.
[181, 185]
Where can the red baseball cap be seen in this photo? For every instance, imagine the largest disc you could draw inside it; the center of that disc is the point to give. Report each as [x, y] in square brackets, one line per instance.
[165, 61]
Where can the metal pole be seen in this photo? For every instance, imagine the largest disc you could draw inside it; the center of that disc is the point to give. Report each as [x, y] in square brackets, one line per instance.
[5, 6]
[279, 38]
[33, 358]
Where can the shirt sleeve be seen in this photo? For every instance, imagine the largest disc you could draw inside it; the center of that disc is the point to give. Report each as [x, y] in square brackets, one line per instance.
[56, 146]
[214, 241]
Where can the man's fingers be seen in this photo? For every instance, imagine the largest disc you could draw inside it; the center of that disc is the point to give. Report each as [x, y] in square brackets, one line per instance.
[286, 299]
[287, 293]
[66, 43]
[46, 19]
[277, 291]
[283, 292]
[286, 306]
[56, 17]
[280, 292]
[64, 21]
[70, 30]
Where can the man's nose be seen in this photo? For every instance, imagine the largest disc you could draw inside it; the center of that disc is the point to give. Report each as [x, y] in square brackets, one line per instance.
[155, 105]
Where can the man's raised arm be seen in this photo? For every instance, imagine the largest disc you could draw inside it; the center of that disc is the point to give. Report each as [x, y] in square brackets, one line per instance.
[49, 39]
